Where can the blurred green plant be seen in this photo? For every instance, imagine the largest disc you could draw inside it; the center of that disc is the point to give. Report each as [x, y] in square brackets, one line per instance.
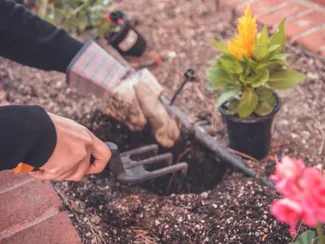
[77, 16]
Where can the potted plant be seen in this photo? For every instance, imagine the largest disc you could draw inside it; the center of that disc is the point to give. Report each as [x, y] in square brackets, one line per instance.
[248, 71]
[123, 36]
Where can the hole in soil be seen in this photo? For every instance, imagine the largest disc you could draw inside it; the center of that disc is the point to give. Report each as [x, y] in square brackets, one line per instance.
[205, 169]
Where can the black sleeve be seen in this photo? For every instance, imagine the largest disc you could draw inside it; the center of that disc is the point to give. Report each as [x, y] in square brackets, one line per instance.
[28, 135]
[31, 41]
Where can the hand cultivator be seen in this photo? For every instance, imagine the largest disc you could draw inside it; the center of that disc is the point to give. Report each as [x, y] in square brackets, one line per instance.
[127, 170]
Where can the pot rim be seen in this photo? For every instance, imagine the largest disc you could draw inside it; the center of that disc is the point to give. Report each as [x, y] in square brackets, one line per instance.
[113, 36]
[255, 120]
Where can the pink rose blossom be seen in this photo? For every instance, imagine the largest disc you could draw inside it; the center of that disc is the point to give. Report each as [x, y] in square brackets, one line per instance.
[287, 211]
[288, 169]
[304, 191]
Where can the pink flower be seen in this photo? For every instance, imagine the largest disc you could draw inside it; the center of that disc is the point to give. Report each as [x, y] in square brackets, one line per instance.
[288, 212]
[313, 203]
[290, 188]
[304, 191]
[288, 169]
[286, 176]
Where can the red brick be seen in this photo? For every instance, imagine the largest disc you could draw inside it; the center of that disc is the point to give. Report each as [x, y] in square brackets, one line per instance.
[26, 205]
[314, 41]
[9, 180]
[304, 23]
[55, 230]
[277, 16]
[233, 3]
[261, 5]
[321, 2]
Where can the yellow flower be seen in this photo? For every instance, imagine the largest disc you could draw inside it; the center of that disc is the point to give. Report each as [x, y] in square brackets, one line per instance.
[244, 40]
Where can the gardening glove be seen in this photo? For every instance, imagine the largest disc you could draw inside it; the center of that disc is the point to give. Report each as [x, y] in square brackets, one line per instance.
[132, 97]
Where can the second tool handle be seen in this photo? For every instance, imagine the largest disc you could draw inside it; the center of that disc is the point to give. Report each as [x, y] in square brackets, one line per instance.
[115, 164]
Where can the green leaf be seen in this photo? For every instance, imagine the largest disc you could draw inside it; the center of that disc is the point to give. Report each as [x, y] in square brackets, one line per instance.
[262, 66]
[285, 79]
[242, 78]
[279, 37]
[82, 22]
[224, 97]
[266, 101]
[279, 56]
[215, 61]
[219, 78]
[220, 46]
[274, 48]
[210, 86]
[248, 103]
[261, 50]
[231, 64]
[232, 107]
[274, 68]
[306, 237]
[262, 78]
[249, 64]
[279, 59]
[264, 93]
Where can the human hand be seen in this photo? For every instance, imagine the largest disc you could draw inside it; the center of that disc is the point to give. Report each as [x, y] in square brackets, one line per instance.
[132, 97]
[140, 93]
[71, 157]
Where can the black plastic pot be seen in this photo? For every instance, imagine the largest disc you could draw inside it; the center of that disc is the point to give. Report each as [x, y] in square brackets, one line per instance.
[251, 136]
[128, 41]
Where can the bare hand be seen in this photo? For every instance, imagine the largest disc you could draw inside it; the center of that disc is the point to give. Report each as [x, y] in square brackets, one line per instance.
[71, 157]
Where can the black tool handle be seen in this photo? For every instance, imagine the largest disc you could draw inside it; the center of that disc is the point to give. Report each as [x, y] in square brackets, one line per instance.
[114, 151]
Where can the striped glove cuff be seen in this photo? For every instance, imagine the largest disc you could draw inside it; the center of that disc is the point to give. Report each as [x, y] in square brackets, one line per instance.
[94, 70]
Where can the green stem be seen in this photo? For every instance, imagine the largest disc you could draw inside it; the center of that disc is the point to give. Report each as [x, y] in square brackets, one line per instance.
[320, 234]
[82, 6]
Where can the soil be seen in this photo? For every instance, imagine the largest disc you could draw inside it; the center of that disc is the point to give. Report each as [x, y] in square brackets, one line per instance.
[223, 206]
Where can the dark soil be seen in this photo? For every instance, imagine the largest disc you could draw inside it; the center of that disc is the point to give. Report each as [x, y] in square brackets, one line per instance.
[234, 211]
[205, 170]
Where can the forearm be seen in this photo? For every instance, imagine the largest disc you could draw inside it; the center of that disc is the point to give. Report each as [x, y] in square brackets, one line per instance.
[27, 135]
[29, 40]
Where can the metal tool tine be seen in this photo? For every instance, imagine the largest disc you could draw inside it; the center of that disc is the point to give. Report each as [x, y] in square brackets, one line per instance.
[168, 157]
[150, 148]
[147, 175]
[167, 170]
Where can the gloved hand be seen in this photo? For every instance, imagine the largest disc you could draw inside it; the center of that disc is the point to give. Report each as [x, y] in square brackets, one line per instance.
[132, 97]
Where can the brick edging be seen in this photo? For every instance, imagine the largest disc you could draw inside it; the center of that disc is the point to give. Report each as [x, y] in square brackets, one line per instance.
[31, 212]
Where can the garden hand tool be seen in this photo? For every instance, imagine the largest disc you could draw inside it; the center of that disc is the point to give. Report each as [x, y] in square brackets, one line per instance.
[127, 170]
[133, 97]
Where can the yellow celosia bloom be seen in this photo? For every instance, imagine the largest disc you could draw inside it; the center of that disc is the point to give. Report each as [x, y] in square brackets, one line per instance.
[244, 40]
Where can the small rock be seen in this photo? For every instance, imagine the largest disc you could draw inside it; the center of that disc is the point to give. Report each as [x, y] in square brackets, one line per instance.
[172, 54]
[94, 241]
[88, 234]
[204, 195]
[95, 220]
[157, 222]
